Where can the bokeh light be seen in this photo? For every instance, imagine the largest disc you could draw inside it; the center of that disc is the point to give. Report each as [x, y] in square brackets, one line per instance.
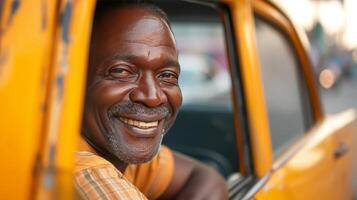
[327, 78]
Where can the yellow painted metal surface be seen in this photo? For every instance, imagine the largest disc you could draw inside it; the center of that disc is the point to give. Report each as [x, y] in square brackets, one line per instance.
[65, 100]
[311, 173]
[249, 66]
[25, 51]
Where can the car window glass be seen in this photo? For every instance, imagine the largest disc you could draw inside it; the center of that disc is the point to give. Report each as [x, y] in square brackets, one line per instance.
[282, 85]
[204, 127]
[204, 76]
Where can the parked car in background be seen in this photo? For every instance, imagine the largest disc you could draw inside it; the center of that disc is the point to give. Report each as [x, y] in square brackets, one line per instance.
[251, 104]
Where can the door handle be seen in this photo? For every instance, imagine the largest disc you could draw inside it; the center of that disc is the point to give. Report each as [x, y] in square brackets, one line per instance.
[341, 150]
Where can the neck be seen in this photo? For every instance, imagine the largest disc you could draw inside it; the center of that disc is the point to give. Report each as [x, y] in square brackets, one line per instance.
[120, 165]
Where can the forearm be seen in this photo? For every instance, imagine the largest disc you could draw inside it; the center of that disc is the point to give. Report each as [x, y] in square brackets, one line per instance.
[204, 183]
[194, 180]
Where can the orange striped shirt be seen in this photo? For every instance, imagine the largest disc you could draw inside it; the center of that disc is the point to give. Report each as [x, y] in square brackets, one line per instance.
[97, 178]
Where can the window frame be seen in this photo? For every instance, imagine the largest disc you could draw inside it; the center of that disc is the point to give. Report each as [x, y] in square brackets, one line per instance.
[277, 18]
[270, 11]
[239, 100]
[240, 186]
[237, 90]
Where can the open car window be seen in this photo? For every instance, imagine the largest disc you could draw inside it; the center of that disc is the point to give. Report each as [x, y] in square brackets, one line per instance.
[204, 128]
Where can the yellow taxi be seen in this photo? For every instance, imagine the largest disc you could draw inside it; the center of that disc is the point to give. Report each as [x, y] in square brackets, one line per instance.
[251, 103]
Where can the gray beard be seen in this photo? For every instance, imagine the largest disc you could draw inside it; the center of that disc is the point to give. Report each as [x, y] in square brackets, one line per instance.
[121, 151]
[125, 152]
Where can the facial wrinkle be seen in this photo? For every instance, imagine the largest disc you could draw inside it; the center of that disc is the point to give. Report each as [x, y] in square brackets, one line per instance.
[147, 29]
[145, 42]
[148, 55]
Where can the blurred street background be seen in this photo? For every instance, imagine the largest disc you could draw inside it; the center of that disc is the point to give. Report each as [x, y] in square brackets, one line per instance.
[331, 27]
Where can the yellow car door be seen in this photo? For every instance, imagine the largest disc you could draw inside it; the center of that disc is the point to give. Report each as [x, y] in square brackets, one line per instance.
[43, 54]
[310, 152]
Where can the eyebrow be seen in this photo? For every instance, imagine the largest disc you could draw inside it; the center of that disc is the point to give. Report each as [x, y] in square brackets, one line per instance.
[169, 61]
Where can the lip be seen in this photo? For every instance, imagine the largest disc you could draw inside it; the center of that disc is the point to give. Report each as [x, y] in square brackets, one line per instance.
[143, 117]
[141, 132]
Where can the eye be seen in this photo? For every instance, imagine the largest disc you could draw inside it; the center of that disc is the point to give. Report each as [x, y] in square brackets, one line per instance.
[120, 72]
[169, 77]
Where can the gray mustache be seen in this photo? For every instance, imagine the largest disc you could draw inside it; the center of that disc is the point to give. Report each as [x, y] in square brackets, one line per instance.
[131, 108]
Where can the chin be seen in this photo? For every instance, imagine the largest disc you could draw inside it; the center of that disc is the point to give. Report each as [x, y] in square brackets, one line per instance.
[135, 153]
[131, 149]
[138, 156]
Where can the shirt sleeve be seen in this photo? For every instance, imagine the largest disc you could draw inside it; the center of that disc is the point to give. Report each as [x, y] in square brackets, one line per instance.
[153, 178]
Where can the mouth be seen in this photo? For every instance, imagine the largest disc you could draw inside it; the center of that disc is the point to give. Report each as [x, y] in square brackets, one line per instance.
[139, 124]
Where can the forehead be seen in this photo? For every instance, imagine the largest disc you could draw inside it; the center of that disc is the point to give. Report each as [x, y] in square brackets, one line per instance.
[131, 24]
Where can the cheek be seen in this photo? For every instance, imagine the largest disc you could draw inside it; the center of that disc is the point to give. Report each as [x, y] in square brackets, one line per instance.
[106, 94]
[174, 97]
[98, 99]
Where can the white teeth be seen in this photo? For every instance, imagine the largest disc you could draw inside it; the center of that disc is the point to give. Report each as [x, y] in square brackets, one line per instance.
[139, 124]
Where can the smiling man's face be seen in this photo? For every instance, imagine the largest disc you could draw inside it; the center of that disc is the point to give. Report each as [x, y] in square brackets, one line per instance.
[132, 94]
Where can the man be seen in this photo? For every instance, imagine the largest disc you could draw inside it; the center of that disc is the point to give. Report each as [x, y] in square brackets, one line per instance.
[132, 99]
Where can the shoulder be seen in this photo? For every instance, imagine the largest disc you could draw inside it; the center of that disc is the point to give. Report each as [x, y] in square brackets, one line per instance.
[97, 178]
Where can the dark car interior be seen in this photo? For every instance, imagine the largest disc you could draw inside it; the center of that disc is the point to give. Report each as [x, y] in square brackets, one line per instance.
[203, 130]
[203, 133]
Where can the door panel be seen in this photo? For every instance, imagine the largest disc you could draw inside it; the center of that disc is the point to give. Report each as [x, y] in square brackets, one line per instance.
[343, 154]
[310, 174]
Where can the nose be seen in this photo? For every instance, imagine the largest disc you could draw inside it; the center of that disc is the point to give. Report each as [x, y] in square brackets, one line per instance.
[148, 91]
